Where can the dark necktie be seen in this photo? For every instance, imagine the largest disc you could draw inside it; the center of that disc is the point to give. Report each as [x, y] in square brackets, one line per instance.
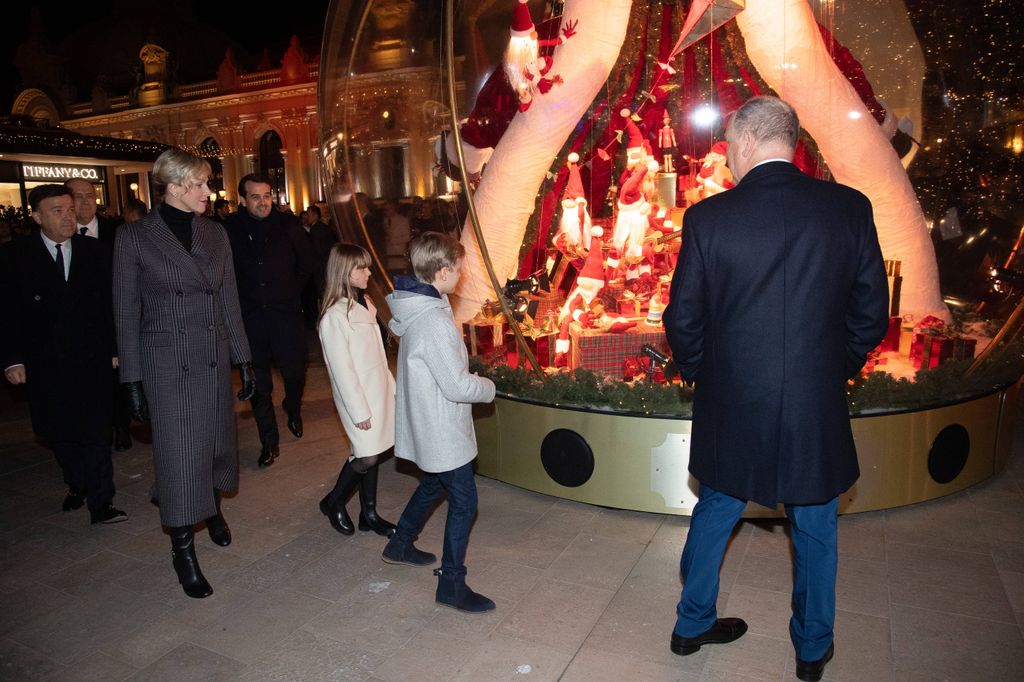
[60, 261]
[84, 231]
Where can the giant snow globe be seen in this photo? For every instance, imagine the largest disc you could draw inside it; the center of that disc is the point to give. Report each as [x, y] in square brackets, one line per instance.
[563, 142]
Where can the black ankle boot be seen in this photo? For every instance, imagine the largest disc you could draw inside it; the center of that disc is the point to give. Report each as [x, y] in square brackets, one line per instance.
[368, 519]
[183, 555]
[454, 592]
[217, 527]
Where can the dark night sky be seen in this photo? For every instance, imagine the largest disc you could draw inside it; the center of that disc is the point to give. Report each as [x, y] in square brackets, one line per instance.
[252, 27]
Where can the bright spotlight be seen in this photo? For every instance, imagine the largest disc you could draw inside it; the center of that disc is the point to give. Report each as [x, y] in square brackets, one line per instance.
[704, 116]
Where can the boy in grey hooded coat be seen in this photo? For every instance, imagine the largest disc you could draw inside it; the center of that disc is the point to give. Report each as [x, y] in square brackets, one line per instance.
[433, 420]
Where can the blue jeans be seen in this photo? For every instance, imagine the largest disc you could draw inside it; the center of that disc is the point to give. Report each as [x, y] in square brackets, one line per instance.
[815, 550]
[461, 488]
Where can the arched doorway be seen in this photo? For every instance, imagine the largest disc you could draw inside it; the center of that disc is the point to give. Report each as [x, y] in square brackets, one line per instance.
[210, 150]
[272, 165]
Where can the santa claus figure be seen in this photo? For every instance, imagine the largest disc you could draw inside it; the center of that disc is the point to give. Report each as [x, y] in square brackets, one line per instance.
[631, 222]
[501, 97]
[574, 227]
[636, 147]
[589, 284]
[525, 67]
[713, 177]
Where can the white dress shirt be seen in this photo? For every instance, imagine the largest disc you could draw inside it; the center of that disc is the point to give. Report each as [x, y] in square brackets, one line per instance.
[93, 228]
[51, 247]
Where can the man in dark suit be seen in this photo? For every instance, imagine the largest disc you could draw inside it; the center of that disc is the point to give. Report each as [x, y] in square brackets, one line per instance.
[779, 295]
[322, 238]
[58, 340]
[273, 261]
[90, 224]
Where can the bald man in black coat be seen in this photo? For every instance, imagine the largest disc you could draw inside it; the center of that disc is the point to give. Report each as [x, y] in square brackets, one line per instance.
[779, 295]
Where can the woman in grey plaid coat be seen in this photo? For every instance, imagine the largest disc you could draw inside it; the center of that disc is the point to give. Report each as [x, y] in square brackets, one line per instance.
[179, 329]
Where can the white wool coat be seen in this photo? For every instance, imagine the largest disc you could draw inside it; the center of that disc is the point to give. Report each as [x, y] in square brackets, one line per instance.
[361, 382]
[434, 425]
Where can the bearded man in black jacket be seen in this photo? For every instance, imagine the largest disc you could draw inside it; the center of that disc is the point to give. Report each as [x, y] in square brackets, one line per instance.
[273, 261]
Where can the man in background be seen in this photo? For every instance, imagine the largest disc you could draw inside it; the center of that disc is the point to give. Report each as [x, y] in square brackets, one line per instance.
[90, 224]
[273, 261]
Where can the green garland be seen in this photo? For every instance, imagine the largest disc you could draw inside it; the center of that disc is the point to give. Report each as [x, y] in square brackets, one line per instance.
[878, 392]
[586, 389]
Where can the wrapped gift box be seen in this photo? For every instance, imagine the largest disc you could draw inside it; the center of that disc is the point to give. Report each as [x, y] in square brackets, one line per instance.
[891, 342]
[605, 353]
[547, 304]
[929, 351]
[484, 335]
[540, 342]
[636, 368]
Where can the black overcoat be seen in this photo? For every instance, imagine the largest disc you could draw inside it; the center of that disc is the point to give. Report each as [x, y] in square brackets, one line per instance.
[779, 295]
[273, 261]
[179, 329]
[63, 332]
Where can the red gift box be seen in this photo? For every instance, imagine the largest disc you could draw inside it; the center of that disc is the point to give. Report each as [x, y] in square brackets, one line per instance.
[633, 368]
[928, 352]
[542, 346]
[547, 303]
[891, 342]
[484, 335]
[605, 353]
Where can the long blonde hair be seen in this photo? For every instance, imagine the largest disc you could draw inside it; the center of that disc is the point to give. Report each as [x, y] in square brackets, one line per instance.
[343, 260]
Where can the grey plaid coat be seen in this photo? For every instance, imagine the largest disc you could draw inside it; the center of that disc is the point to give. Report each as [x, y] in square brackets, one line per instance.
[179, 329]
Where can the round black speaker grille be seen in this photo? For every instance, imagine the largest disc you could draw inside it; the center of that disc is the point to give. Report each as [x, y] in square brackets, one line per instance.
[949, 453]
[567, 458]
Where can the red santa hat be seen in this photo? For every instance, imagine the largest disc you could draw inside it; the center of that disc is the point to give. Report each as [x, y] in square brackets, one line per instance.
[592, 274]
[522, 22]
[719, 148]
[574, 187]
[630, 193]
[634, 140]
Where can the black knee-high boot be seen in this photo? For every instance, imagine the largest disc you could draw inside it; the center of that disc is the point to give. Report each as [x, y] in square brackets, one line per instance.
[333, 504]
[368, 519]
[183, 555]
[217, 526]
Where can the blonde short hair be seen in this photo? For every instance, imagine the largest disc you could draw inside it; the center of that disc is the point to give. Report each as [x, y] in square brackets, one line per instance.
[432, 251]
[179, 167]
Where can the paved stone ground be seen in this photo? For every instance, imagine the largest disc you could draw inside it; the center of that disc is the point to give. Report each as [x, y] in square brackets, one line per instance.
[929, 592]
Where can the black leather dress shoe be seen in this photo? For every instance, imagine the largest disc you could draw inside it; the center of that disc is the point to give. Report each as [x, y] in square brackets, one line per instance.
[811, 671]
[724, 630]
[108, 514]
[295, 426]
[73, 500]
[122, 440]
[267, 455]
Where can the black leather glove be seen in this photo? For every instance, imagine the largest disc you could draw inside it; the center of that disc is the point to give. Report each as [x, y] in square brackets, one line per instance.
[248, 377]
[138, 408]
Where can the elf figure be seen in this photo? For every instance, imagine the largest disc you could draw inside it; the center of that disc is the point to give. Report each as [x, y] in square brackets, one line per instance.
[574, 227]
[667, 144]
[525, 67]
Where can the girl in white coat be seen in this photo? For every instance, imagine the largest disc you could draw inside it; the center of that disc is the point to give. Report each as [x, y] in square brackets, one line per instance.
[361, 383]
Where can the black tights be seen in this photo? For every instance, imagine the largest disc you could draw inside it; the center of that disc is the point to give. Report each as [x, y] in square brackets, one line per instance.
[363, 464]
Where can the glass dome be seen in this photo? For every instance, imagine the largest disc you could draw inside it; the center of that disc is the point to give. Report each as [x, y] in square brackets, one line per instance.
[516, 135]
